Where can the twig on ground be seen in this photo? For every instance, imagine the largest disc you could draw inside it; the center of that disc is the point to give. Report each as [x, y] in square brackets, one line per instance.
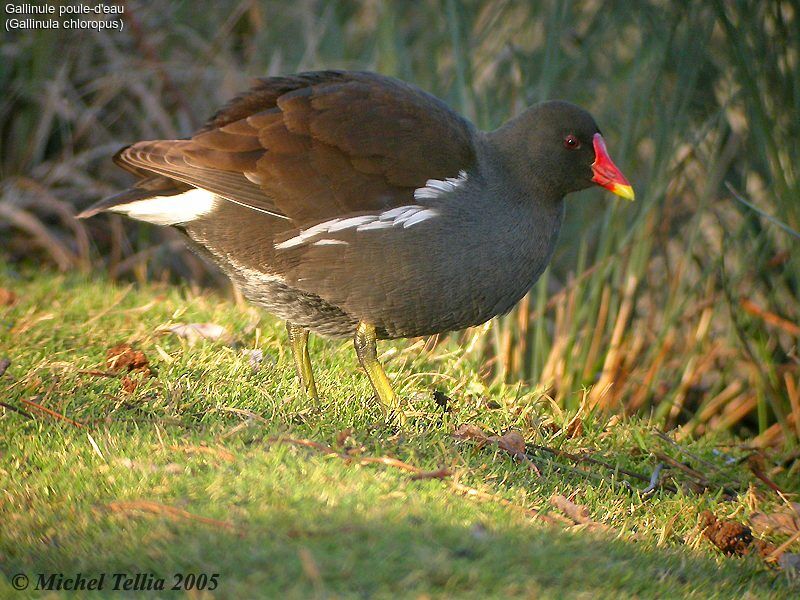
[19, 411]
[53, 413]
[96, 373]
[663, 436]
[754, 462]
[442, 473]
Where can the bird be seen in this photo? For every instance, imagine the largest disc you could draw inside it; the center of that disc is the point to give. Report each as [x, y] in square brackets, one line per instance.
[353, 204]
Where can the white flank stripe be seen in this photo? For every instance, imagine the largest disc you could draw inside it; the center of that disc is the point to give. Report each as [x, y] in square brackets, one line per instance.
[323, 227]
[330, 242]
[291, 243]
[351, 222]
[376, 224]
[170, 210]
[389, 215]
[436, 187]
[404, 216]
[419, 217]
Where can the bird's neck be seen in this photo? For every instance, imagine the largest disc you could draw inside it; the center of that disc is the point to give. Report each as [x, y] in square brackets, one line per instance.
[520, 174]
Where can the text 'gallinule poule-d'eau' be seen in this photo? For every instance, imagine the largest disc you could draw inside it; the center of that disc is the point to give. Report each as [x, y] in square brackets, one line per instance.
[354, 204]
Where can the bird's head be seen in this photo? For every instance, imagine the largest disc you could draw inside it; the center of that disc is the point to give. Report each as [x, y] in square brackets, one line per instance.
[565, 149]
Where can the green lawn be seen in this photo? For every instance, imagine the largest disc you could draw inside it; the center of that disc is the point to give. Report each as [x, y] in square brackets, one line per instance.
[198, 469]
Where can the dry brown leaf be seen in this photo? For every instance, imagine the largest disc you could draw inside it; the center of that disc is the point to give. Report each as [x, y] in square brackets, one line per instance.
[7, 297]
[576, 512]
[194, 332]
[128, 385]
[786, 522]
[511, 441]
[123, 357]
[574, 428]
[472, 433]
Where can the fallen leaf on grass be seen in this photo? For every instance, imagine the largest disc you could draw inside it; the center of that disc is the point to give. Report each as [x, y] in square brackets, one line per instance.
[472, 433]
[576, 512]
[128, 385]
[123, 357]
[511, 442]
[574, 428]
[731, 537]
[787, 522]
[7, 297]
[194, 332]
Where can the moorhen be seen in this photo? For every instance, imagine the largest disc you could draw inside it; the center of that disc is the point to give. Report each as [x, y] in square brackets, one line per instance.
[354, 204]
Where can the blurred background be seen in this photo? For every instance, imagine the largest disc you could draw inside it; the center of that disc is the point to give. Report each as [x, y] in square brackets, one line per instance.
[683, 305]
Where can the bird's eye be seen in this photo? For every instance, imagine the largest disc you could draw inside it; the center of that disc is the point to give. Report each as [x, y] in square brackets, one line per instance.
[572, 142]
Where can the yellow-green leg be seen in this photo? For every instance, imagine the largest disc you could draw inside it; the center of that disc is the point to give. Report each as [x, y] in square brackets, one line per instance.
[298, 341]
[365, 342]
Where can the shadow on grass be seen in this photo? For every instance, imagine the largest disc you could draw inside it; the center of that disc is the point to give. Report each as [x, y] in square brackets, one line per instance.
[308, 548]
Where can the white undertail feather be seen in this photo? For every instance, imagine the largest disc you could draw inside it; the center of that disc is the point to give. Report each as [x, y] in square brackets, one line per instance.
[170, 210]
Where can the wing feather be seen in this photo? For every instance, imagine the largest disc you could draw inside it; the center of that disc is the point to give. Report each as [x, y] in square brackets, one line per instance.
[317, 145]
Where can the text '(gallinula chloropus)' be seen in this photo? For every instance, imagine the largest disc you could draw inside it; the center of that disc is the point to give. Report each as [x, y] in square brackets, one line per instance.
[353, 204]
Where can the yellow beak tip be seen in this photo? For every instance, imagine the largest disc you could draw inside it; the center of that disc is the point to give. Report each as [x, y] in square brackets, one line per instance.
[624, 191]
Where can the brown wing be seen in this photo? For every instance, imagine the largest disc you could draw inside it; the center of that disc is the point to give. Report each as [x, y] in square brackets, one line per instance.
[317, 145]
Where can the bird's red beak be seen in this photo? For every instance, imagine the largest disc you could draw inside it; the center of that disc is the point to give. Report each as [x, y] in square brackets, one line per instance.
[606, 173]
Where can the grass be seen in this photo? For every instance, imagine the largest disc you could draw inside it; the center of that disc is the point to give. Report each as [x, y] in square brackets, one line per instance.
[679, 311]
[196, 471]
[682, 306]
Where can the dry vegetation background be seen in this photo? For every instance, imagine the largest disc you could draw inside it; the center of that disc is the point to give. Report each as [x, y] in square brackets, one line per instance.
[683, 305]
